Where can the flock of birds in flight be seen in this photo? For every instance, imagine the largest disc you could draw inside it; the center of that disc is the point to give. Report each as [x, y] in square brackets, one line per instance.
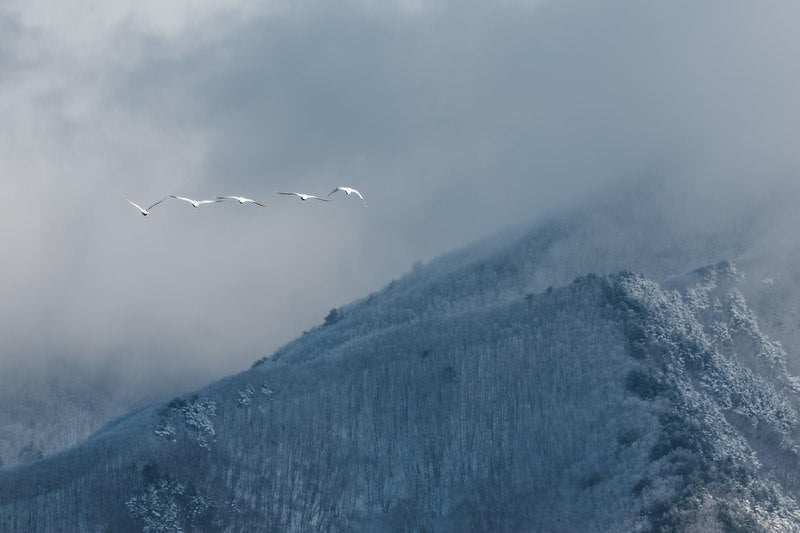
[242, 200]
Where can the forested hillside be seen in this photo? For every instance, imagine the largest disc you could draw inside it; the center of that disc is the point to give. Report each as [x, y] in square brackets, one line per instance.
[44, 410]
[467, 395]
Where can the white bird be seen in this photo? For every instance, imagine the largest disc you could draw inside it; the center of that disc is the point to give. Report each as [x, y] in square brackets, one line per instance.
[349, 191]
[304, 197]
[142, 210]
[240, 199]
[195, 203]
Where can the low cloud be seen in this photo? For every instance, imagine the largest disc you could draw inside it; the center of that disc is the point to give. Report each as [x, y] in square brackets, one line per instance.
[454, 118]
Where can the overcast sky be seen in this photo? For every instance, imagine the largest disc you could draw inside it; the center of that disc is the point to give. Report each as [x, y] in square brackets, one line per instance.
[455, 118]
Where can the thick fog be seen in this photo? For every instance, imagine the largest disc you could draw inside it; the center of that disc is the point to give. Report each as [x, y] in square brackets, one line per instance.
[455, 119]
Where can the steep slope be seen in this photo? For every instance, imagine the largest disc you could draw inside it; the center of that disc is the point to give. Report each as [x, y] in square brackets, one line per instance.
[457, 400]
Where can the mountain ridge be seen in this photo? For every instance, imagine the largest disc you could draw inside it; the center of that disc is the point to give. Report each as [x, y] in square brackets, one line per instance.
[468, 395]
[619, 296]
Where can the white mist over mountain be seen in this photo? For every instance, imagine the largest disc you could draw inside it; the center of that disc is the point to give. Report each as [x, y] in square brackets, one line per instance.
[455, 118]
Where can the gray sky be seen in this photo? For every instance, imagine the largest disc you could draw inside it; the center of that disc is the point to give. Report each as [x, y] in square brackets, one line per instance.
[455, 118]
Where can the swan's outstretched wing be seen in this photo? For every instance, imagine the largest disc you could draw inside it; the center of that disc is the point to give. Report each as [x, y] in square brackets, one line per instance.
[358, 193]
[201, 202]
[134, 204]
[158, 202]
[181, 198]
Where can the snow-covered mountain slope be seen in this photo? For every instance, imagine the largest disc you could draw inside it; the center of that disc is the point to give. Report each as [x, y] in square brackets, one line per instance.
[46, 410]
[466, 396]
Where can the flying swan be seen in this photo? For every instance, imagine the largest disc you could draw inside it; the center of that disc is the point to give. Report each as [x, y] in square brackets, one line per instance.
[143, 211]
[349, 191]
[240, 199]
[303, 197]
[195, 203]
